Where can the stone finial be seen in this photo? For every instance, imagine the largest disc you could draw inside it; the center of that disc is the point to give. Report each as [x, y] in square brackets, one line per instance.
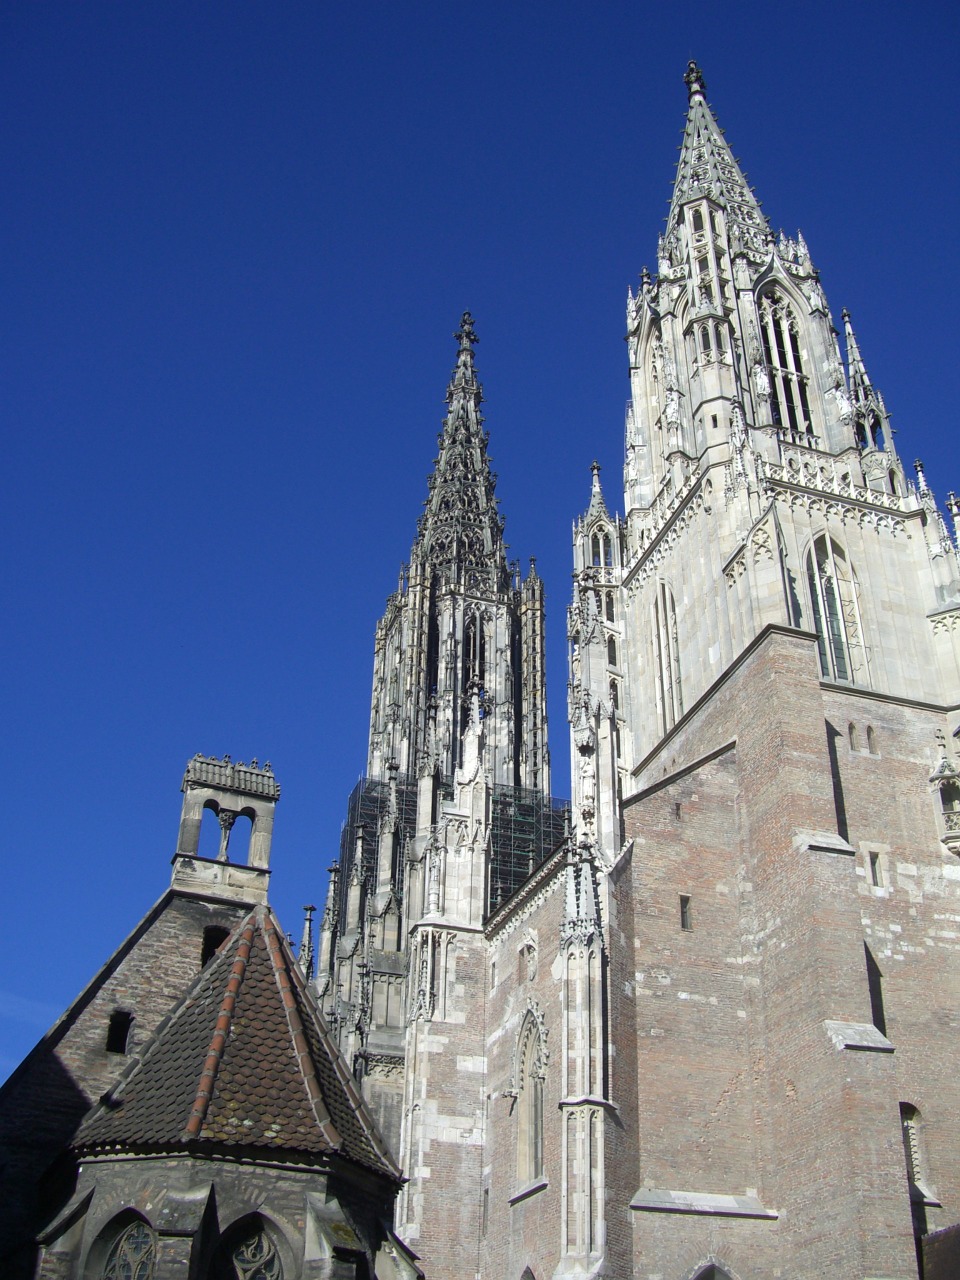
[953, 506]
[693, 79]
[305, 954]
[921, 478]
[466, 335]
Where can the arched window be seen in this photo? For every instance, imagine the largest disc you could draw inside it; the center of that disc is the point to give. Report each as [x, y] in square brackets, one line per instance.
[609, 606]
[871, 740]
[595, 550]
[836, 612]
[697, 220]
[854, 737]
[247, 1252]
[612, 651]
[607, 551]
[530, 1073]
[132, 1254]
[779, 333]
[666, 658]
[615, 695]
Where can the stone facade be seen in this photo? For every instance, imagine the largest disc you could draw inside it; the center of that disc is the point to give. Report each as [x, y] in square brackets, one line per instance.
[709, 1033]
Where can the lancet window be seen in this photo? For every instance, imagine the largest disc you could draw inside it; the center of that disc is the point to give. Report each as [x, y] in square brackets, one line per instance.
[780, 336]
[530, 1062]
[666, 658]
[836, 612]
[132, 1255]
[247, 1252]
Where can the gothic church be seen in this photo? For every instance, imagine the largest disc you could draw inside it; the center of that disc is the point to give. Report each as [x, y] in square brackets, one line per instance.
[700, 1022]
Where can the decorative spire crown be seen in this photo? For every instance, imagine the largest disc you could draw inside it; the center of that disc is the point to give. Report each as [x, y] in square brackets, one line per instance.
[693, 79]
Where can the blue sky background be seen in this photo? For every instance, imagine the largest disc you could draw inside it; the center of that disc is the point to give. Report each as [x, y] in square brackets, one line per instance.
[235, 240]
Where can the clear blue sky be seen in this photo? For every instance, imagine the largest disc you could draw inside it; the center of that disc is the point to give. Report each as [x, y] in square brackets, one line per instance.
[235, 240]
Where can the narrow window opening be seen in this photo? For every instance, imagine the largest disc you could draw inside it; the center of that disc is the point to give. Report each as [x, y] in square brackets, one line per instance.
[875, 984]
[118, 1031]
[493, 974]
[614, 695]
[595, 549]
[686, 913]
[713, 421]
[667, 659]
[607, 551]
[609, 606]
[871, 740]
[876, 872]
[214, 936]
[677, 810]
[697, 220]
[612, 652]
[894, 487]
[854, 737]
[913, 1155]
[485, 1212]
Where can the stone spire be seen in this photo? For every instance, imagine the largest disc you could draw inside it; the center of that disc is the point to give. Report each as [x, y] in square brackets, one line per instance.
[598, 506]
[461, 532]
[868, 408]
[709, 169]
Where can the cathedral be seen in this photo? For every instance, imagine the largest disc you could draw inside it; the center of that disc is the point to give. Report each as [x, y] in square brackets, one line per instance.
[699, 1022]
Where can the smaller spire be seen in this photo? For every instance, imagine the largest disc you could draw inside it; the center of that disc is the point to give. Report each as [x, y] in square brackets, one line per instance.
[597, 505]
[693, 79]
[869, 414]
[305, 954]
[860, 383]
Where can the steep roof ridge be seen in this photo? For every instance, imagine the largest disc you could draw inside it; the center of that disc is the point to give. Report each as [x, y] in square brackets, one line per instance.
[296, 985]
[301, 1047]
[140, 1059]
[221, 1031]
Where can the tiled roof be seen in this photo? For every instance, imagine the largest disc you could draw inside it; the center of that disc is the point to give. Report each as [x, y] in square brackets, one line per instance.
[245, 1059]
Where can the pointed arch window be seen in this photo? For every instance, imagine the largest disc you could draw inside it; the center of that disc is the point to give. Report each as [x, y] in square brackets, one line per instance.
[247, 1252]
[780, 335]
[834, 602]
[132, 1255]
[666, 658]
[531, 1064]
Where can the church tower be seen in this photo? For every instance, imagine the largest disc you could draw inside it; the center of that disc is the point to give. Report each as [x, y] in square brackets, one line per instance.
[453, 815]
[764, 676]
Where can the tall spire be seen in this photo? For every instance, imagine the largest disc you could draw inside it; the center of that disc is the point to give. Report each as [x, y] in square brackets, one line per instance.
[461, 532]
[709, 169]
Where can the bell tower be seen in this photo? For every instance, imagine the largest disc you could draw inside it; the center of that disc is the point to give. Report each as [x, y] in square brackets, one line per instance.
[454, 812]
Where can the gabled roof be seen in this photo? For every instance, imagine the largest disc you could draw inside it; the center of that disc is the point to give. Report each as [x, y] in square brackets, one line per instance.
[245, 1059]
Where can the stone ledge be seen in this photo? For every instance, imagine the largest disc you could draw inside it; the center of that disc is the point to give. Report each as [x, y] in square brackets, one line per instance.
[857, 1035]
[704, 1202]
[530, 1189]
[822, 842]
